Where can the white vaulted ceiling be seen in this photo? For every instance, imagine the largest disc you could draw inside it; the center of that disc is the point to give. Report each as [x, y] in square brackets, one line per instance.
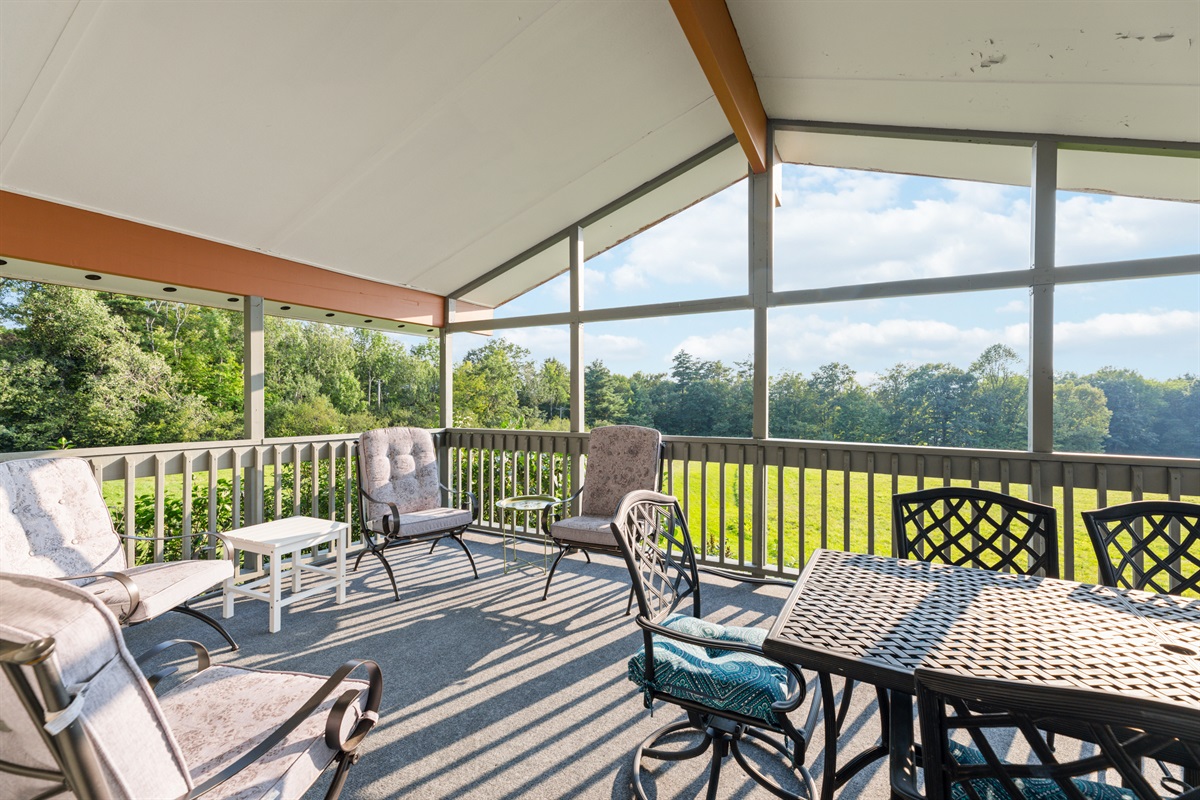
[422, 144]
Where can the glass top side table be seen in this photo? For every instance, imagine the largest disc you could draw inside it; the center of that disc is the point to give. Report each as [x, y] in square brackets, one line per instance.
[527, 504]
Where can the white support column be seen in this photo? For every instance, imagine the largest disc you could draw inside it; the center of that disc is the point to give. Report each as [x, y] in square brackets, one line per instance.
[1041, 298]
[762, 189]
[254, 404]
[578, 422]
[446, 368]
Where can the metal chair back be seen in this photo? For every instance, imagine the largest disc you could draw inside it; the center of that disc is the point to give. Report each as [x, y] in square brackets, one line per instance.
[976, 528]
[1152, 545]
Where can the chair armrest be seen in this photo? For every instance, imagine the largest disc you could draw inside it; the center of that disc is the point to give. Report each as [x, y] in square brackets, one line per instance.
[388, 529]
[333, 723]
[202, 658]
[472, 500]
[797, 684]
[131, 589]
[549, 517]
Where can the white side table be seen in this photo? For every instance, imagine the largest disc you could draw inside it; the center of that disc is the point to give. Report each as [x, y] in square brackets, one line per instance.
[277, 540]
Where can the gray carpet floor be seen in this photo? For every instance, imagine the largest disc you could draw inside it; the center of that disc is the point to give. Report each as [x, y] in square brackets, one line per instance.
[489, 692]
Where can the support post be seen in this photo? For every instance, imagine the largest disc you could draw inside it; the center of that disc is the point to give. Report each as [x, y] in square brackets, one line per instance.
[1041, 305]
[446, 388]
[762, 191]
[253, 400]
[578, 422]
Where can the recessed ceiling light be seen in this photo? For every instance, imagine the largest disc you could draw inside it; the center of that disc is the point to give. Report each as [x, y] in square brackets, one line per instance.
[399, 326]
[2, 262]
[285, 308]
[92, 277]
[170, 289]
[368, 321]
[429, 330]
[330, 314]
[233, 299]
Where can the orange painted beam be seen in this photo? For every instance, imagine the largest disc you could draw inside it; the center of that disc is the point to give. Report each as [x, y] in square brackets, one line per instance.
[51, 233]
[714, 40]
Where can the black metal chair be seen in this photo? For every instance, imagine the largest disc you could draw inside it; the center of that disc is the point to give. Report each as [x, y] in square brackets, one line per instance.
[1152, 545]
[80, 719]
[402, 501]
[621, 459]
[976, 528]
[719, 675]
[1125, 730]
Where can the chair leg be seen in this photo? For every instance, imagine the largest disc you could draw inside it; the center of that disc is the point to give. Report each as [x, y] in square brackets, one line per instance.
[847, 695]
[386, 566]
[553, 567]
[212, 623]
[463, 545]
[344, 762]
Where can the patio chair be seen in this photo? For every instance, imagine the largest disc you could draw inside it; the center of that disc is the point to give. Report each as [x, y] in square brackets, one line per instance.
[1152, 545]
[1124, 729]
[719, 675]
[400, 498]
[621, 459]
[80, 717]
[54, 523]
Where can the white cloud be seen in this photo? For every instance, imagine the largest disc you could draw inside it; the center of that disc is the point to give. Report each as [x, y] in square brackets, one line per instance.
[1179, 325]
[1094, 228]
[1014, 307]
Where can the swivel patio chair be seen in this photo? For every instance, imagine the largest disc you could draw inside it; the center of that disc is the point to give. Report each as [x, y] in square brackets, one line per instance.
[54, 523]
[1125, 730]
[1149, 544]
[719, 675]
[400, 498]
[80, 718]
[621, 459]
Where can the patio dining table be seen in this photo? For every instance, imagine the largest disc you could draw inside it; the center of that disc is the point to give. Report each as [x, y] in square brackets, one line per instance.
[876, 619]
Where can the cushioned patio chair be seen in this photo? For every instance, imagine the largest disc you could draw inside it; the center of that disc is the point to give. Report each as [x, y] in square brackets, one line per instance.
[54, 523]
[80, 717]
[1152, 545]
[958, 712]
[621, 459]
[729, 688]
[402, 501]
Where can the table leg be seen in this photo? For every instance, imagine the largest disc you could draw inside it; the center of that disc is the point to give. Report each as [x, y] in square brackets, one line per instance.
[227, 600]
[340, 567]
[276, 593]
[297, 580]
[902, 757]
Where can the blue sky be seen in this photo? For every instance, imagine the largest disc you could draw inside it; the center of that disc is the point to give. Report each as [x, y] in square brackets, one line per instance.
[838, 227]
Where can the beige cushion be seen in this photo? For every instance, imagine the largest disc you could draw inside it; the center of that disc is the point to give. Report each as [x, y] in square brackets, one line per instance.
[585, 530]
[139, 758]
[429, 521]
[399, 465]
[53, 520]
[222, 712]
[161, 586]
[621, 459]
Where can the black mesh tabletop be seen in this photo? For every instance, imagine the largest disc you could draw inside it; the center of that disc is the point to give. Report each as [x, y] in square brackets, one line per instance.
[877, 619]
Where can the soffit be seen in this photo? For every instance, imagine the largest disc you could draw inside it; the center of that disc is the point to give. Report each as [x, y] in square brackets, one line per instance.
[418, 144]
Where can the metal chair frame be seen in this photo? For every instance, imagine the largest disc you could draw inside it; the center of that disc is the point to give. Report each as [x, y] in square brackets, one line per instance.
[1140, 544]
[1125, 729]
[652, 535]
[376, 542]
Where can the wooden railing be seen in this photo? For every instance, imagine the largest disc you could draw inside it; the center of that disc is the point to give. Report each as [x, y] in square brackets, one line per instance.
[758, 506]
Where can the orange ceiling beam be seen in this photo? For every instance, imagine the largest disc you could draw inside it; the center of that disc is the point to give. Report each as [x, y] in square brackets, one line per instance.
[51, 233]
[714, 40]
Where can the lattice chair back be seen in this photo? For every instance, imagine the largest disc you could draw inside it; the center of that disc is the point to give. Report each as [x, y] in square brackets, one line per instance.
[621, 459]
[398, 465]
[103, 726]
[53, 520]
[1150, 544]
[956, 709]
[652, 534]
[976, 528]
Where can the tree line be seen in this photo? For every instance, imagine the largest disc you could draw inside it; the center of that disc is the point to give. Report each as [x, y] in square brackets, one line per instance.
[89, 369]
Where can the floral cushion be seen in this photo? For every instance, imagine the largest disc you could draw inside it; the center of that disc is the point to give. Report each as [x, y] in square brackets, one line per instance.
[721, 680]
[621, 458]
[399, 465]
[53, 520]
[161, 586]
[428, 521]
[1031, 788]
[585, 530]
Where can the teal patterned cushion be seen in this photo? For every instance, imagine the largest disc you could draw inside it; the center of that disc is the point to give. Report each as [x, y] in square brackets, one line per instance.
[1031, 788]
[737, 682]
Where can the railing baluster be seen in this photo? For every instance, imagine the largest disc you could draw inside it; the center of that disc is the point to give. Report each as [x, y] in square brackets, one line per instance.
[186, 521]
[846, 501]
[160, 494]
[1068, 523]
[824, 498]
[871, 503]
[130, 510]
